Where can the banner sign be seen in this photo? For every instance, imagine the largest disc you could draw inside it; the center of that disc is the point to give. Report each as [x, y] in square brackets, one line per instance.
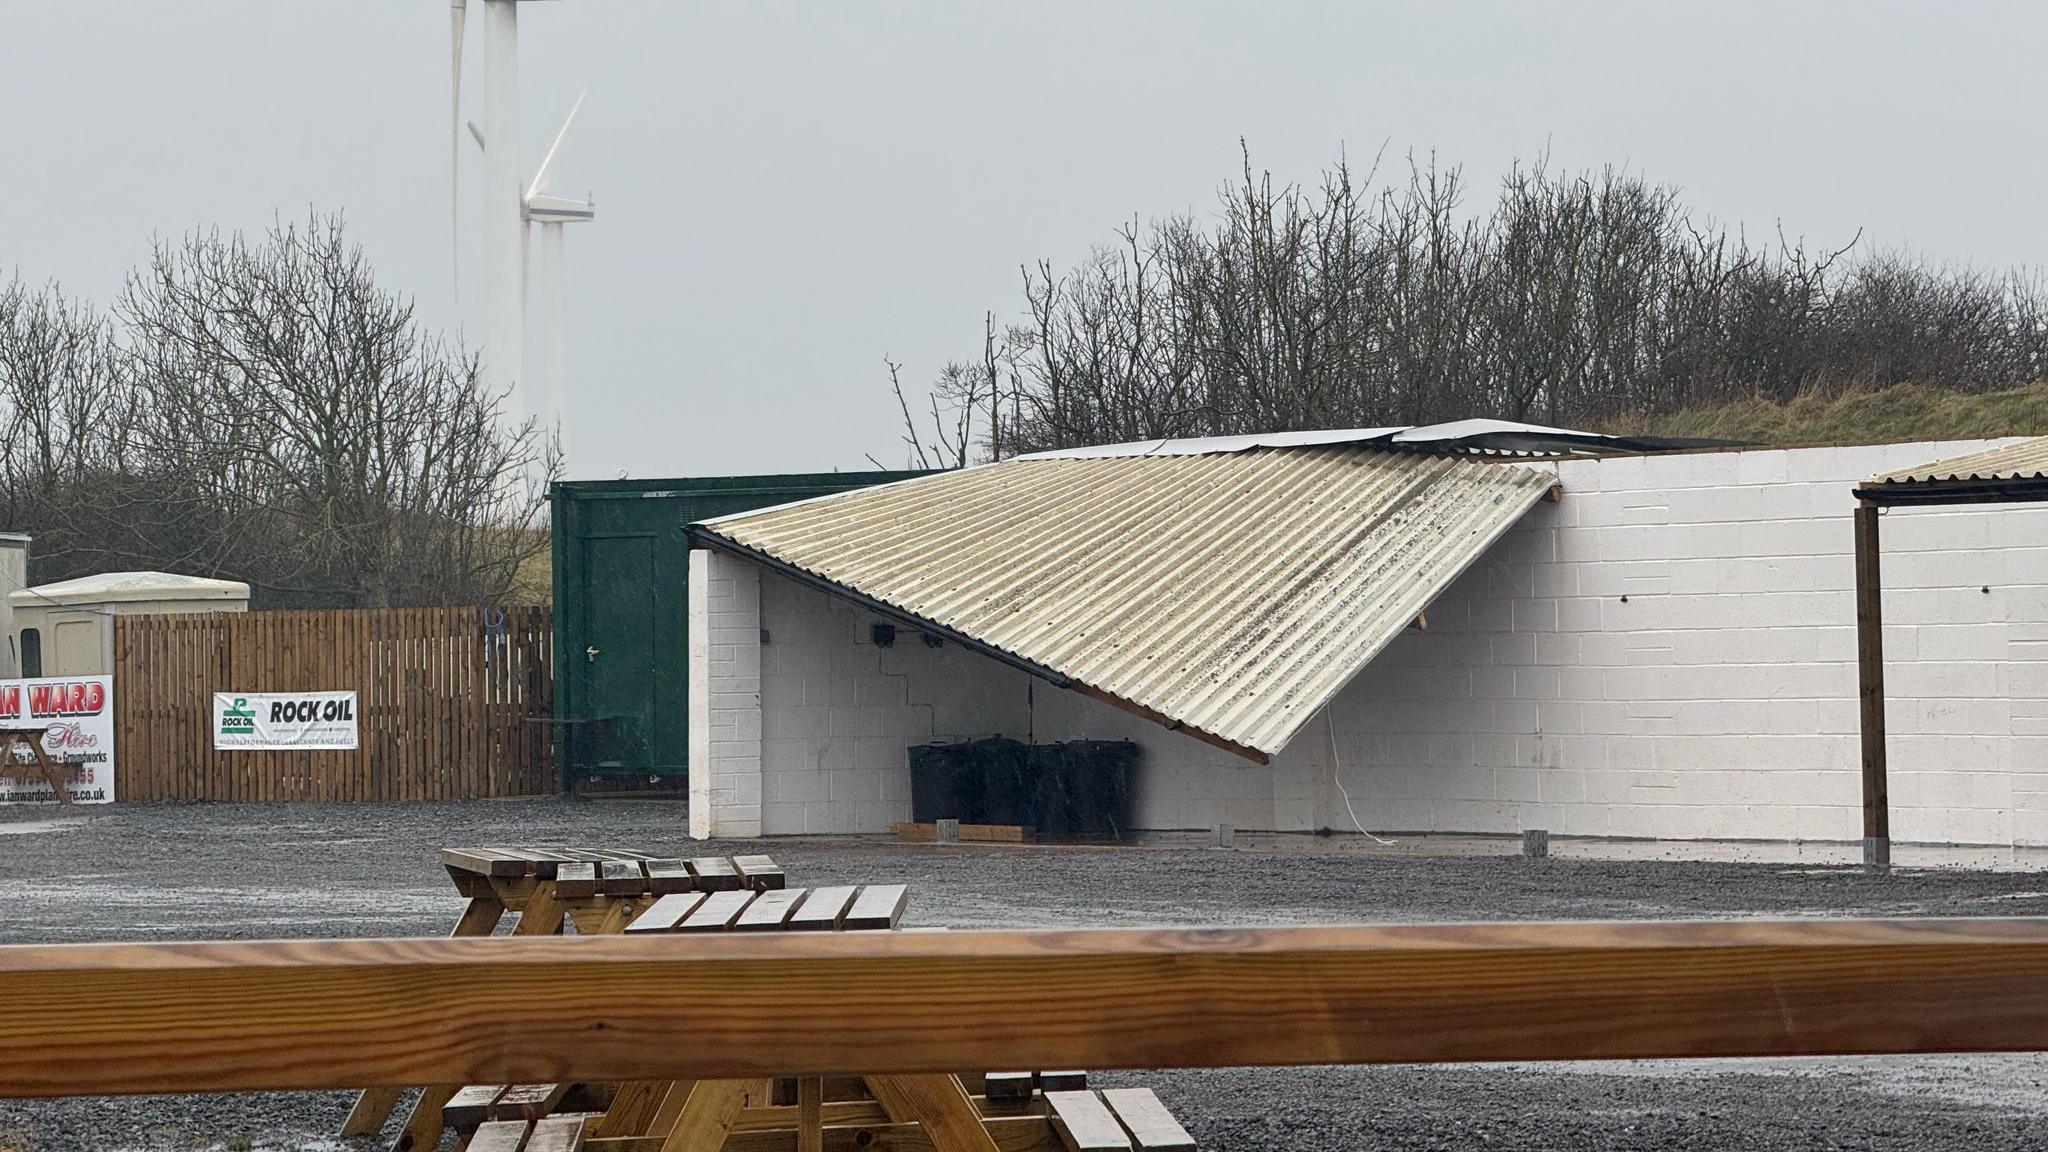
[288, 721]
[76, 715]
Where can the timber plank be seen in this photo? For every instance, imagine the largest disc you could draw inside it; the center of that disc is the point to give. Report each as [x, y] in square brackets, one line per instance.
[1011, 1134]
[1009, 1085]
[666, 876]
[822, 910]
[498, 1136]
[717, 912]
[760, 873]
[556, 1134]
[485, 861]
[1152, 1127]
[877, 906]
[715, 873]
[939, 1105]
[927, 833]
[623, 878]
[210, 1016]
[810, 1108]
[528, 1101]
[1085, 1123]
[576, 879]
[707, 1116]
[471, 1105]
[770, 911]
[630, 1110]
[666, 912]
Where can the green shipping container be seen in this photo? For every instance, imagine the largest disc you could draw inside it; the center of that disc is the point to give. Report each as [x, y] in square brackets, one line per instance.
[622, 597]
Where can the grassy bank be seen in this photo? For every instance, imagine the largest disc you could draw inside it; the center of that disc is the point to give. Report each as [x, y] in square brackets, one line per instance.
[1902, 412]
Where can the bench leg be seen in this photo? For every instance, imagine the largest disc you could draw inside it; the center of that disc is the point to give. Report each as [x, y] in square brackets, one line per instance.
[707, 1116]
[939, 1104]
[373, 1106]
[632, 1110]
[810, 1114]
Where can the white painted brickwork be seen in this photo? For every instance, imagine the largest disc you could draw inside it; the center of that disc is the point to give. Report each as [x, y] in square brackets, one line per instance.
[725, 696]
[1718, 701]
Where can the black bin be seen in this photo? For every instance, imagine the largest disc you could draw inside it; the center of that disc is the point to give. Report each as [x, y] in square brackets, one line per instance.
[1073, 789]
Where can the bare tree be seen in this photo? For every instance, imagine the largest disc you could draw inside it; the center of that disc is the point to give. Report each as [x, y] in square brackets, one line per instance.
[265, 410]
[1573, 297]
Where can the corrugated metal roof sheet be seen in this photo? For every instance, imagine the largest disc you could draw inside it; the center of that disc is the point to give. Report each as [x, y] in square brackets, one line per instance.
[1476, 436]
[2025, 460]
[1232, 593]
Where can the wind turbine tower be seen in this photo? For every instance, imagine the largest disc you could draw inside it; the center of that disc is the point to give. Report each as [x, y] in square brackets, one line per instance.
[509, 203]
[551, 213]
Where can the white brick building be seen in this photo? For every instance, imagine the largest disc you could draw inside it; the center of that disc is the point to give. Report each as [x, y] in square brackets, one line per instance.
[1668, 651]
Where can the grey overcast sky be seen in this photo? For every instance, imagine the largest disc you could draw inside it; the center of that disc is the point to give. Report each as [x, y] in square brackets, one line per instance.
[788, 192]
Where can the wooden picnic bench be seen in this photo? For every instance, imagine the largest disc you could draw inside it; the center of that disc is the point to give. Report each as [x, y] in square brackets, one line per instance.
[602, 891]
[13, 739]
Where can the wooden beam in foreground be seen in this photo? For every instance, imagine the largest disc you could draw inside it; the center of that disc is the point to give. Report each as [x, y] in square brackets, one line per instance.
[88, 1019]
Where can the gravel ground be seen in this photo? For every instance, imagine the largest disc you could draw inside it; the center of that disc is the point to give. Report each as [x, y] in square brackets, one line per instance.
[239, 871]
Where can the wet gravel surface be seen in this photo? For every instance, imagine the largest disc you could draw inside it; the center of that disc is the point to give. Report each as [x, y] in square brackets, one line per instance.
[235, 871]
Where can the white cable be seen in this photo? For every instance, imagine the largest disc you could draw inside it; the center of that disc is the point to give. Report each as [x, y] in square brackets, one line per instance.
[1337, 775]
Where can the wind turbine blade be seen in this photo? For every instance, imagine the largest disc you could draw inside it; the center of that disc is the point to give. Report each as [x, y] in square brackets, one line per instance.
[458, 11]
[476, 132]
[540, 177]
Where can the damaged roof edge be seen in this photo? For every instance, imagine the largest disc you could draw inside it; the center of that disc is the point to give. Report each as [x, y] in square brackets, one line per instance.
[1227, 596]
[708, 537]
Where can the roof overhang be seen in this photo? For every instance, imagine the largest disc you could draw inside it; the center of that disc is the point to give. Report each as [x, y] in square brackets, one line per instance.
[1229, 596]
[706, 537]
[2008, 474]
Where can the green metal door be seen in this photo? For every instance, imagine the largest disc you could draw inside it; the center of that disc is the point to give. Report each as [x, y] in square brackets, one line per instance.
[616, 662]
[621, 590]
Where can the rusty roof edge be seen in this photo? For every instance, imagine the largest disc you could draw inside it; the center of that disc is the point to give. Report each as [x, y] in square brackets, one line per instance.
[710, 538]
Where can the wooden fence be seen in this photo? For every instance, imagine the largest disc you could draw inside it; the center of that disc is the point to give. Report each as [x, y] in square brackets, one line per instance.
[450, 702]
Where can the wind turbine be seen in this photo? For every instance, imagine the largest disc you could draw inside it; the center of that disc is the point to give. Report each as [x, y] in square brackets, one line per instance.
[551, 213]
[506, 199]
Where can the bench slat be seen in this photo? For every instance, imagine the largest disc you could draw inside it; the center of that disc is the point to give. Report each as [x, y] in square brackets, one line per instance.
[623, 878]
[1008, 1085]
[715, 873]
[666, 876]
[556, 1134]
[471, 1105]
[1152, 1127]
[717, 912]
[760, 872]
[498, 1136]
[666, 912]
[1084, 1123]
[770, 910]
[822, 909]
[877, 906]
[528, 1101]
[483, 861]
[576, 879]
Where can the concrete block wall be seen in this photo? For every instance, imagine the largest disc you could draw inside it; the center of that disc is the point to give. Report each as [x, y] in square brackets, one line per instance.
[1669, 652]
[804, 724]
[725, 696]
